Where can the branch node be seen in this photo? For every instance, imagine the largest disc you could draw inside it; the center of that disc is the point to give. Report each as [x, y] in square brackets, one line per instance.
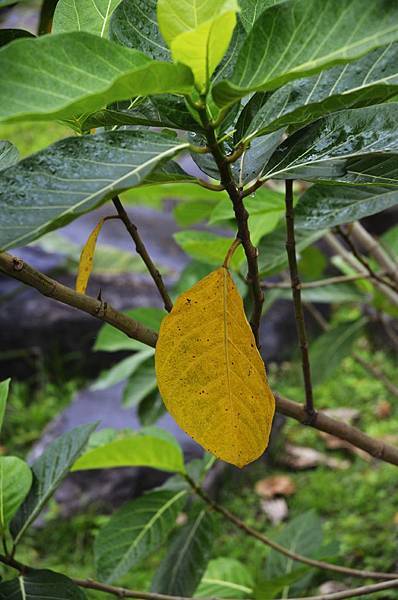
[17, 264]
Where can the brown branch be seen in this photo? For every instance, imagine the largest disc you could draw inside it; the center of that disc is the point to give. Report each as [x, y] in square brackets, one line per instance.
[253, 188]
[296, 292]
[242, 217]
[282, 285]
[319, 564]
[20, 270]
[142, 251]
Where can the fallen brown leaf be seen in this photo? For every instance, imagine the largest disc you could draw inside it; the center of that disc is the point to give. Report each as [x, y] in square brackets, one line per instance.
[278, 485]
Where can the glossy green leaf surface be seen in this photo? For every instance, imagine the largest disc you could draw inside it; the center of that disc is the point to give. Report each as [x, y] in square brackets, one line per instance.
[4, 389]
[9, 155]
[325, 205]
[41, 585]
[329, 350]
[62, 76]
[321, 150]
[134, 24]
[135, 451]
[303, 37]
[53, 187]
[226, 578]
[15, 483]
[48, 471]
[369, 80]
[182, 568]
[135, 531]
[80, 15]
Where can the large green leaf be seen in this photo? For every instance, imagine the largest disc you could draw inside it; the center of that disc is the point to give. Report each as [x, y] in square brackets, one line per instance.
[51, 188]
[112, 340]
[136, 451]
[49, 470]
[62, 76]
[302, 37]
[134, 24]
[370, 80]
[9, 155]
[329, 350]
[272, 248]
[226, 578]
[198, 33]
[4, 389]
[15, 482]
[324, 205]
[182, 568]
[80, 15]
[122, 370]
[250, 10]
[135, 531]
[321, 150]
[41, 585]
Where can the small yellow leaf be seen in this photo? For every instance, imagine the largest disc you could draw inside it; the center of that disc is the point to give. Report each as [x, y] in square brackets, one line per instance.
[210, 373]
[87, 259]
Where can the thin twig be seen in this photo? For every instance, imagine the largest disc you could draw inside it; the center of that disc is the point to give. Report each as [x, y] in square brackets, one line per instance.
[375, 276]
[356, 592]
[214, 187]
[142, 251]
[376, 372]
[316, 284]
[296, 292]
[22, 271]
[370, 244]
[319, 564]
[242, 216]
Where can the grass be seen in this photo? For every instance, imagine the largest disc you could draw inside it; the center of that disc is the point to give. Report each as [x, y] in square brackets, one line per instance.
[358, 506]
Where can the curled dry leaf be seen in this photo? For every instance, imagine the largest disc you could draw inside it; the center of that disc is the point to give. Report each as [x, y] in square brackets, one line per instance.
[210, 374]
[278, 485]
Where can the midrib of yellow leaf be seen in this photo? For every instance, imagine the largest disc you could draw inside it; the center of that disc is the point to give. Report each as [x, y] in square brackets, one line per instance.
[226, 338]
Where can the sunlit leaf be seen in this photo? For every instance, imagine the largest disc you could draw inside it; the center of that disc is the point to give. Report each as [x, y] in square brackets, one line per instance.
[15, 482]
[210, 373]
[80, 15]
[87, 259]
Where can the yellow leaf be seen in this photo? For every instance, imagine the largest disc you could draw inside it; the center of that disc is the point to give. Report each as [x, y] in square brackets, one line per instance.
[87, 259]
[210, 373]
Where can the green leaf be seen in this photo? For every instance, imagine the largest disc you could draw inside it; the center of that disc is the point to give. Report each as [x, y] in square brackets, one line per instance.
[48, 471]
[15, 483]
[158, 111]
[4, 390]
[151, 409]
[182, 568]
[9, 155]
[139, 450]
[41, 585]
[272, 248]
[256, 156]
[122, 370]
[330, 349]
[303, 37]
[32, 87]
[370, 80]
[324, 206]
[110, 339]
[141, 383]
[80, 15]
[252, 9]
[55, 186]
[322, 149]
[199, 33]
[134, 24]
[208, 247]
[226, 578]
[332, 293]
[9, 35]
[135, 531]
